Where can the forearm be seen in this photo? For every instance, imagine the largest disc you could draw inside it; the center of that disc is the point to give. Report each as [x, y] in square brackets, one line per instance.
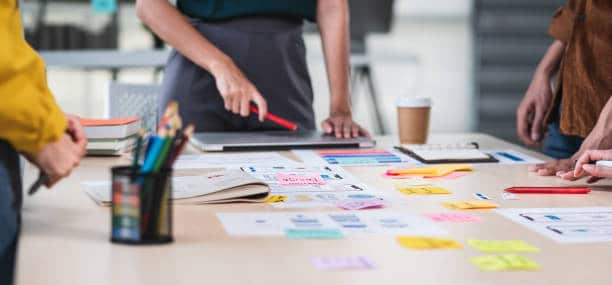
[333, 22]
[549, 65]
[601, 135]
[171, 26]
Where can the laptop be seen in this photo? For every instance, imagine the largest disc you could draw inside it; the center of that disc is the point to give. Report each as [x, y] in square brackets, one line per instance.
[274, 140]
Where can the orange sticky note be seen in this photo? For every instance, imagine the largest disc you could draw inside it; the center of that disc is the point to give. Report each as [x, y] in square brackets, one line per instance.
[469, 205]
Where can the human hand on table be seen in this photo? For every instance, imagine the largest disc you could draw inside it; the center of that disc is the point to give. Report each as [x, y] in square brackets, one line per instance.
[237, 91]
[75, 130]
[342, 126]
[530, 113]
[57, 159]
[585, 168]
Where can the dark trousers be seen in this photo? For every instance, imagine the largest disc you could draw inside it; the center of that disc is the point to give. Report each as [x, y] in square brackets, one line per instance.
[10, 206]
[558, 145]
[269, 51]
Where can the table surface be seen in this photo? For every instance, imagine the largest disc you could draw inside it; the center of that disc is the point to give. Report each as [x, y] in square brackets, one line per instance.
[65, 238]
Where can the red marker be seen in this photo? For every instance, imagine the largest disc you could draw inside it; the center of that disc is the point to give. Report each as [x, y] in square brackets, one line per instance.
[276, 119]
[548, 190]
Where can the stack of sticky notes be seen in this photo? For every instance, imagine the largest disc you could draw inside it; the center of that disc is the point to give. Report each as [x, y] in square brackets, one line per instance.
[430, 171]
[504, 262]
[417, 242]
[110, 137]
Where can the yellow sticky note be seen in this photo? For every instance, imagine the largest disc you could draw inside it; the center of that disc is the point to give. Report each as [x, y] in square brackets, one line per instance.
[469, 205]
[303, 198]
[493, 246]
[504, 262]
[276, 199]
[430, 190]
[427, 242]
[432, 171]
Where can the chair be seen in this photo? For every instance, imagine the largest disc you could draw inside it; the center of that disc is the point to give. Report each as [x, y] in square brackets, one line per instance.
[134, 100]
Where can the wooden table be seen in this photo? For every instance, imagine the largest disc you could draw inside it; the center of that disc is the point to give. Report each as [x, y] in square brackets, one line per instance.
[65, 239]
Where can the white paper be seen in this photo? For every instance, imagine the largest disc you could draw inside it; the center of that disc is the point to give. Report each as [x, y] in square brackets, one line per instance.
[340, 185]
[509, 156]
[225, 160]
[348, 222]
[566, 225]
[311, 157]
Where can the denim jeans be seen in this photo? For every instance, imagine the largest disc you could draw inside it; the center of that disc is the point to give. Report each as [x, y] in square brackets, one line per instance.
[558, 145]
[10, 206]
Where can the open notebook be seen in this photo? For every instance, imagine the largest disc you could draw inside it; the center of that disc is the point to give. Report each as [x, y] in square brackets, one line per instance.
[215, 187]
[446, 153]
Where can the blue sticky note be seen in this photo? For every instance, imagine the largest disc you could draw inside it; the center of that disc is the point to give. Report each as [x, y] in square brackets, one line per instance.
[313, 233]
[104, 6]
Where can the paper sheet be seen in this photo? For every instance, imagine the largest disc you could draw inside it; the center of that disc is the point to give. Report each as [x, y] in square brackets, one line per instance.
[354, 157]
[342, 263]
[313, 234]
[497, 246]
[504, 262]
[330, 185]
[360, 222]
[565, 225]
[452, 217]
[508, 156]
[229, 160]
[415, 242]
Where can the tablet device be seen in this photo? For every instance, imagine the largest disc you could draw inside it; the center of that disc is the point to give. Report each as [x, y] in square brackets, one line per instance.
[274, 140]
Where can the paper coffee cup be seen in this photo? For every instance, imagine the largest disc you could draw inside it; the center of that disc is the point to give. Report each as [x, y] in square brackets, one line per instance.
[413, 119]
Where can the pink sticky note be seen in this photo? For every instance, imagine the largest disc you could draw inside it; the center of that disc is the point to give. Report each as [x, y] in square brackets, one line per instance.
[295, 179]
[342, 263]
[360, 204]
[452, 217]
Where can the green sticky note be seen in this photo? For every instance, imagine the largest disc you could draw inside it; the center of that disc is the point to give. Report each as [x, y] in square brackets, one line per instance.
[495, 246]
[504, 262]
[104, 6]
[313, 234]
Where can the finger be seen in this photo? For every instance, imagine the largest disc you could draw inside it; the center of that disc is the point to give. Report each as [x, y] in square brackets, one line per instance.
[535, 168]
[593, 179]
[236, 104]
[327, 126]
[355, 131]
[244, 106]
[346, 129]
[262, 105]
[546, 172]
[536, 125]
[567, 175]
[522, 124]
[227, 100]
[598, 171]
[364, 132]
[585, 159]
[338, 128]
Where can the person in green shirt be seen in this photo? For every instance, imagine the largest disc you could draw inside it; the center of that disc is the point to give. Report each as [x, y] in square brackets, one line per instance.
[230, 54]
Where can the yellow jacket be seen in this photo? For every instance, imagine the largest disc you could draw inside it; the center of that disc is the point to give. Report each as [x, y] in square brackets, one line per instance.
[29, 116]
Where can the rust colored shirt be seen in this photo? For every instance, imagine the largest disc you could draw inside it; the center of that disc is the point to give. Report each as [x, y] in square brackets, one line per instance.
[584, 82]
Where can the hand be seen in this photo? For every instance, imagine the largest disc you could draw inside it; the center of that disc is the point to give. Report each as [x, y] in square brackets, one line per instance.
[551, 168]
[57, 159]
[75, 129]
[585, 168]
[343, 126]
[237, 91]
[530, 113]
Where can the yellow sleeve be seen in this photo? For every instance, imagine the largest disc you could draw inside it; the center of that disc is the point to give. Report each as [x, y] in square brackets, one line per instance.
[29, 116]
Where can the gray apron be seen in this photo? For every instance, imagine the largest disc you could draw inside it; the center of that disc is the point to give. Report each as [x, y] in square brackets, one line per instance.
[270, 52]
[10, 206]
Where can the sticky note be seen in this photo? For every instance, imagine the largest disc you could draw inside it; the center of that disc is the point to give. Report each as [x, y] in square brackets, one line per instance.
[452, 217]
[410, 182]
[429, 190]
[104, 6]
[504, 262]
[313, 233]
[295, 179]
[360, 204]
[275, 199]
[470, 205]
[303, 198]
[342, 263]
[427, 243]
[494, 246]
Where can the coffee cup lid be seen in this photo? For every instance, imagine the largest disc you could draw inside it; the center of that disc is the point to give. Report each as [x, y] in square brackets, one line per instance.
[413, 102]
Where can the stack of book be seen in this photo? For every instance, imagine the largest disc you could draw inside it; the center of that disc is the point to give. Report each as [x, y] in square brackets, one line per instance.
[110, 137]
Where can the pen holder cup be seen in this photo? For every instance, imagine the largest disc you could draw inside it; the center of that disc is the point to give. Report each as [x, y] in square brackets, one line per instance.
[141, 211]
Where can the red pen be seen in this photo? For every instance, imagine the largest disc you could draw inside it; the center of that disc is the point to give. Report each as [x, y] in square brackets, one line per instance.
[548, 190]
[276, 119]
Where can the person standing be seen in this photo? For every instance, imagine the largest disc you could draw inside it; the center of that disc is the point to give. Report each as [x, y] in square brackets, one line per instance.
[578, 112]
[31, 124]
[232, 53]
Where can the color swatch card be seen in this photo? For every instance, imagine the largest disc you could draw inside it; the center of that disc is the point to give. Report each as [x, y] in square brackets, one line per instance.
[417, 242]
[343, 263]
[566, 225]
[311, 186]
[311, 224]
[452, 217]
[470, 205]
[504, 262]
[354, 157]
[497, 246]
